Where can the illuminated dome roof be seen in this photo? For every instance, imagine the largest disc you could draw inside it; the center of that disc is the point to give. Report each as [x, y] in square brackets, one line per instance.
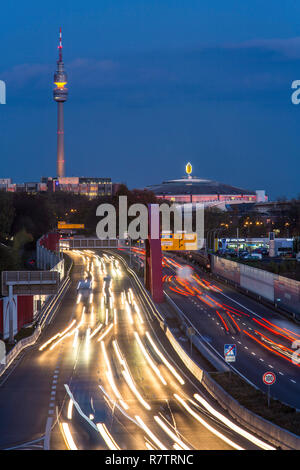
[193, 185]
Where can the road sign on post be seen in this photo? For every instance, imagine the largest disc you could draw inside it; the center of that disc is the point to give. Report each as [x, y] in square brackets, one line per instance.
[269, 378]
[230, 352]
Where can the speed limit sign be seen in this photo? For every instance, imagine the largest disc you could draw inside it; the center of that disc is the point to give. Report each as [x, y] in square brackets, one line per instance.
[269, 378]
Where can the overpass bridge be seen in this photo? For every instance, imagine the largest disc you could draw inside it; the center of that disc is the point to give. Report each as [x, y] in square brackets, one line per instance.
[89, 243]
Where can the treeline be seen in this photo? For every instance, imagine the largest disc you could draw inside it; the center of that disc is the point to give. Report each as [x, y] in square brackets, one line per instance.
[39, 213]
[24, 218]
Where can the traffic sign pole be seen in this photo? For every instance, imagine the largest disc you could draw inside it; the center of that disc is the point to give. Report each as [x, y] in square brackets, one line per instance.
[269, 378]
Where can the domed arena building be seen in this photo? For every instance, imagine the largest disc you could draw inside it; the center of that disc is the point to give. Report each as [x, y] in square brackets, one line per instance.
[191, 189]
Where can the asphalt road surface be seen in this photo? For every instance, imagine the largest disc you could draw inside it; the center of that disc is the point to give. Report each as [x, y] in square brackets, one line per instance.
[222, 315]
[102, 376]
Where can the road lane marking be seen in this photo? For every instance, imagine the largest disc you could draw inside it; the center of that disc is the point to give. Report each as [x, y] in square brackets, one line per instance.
[48, 433]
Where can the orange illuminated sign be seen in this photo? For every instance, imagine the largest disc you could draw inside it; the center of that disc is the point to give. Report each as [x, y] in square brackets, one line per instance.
[63, 225]
[179, 241]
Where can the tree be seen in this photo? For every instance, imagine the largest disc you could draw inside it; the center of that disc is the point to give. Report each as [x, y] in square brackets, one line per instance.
[7, 259]
[7, 214]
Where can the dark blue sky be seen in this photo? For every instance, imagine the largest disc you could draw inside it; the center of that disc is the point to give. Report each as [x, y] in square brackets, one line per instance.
[154, 84]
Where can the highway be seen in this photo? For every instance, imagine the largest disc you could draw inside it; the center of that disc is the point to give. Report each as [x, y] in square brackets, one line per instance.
[103, 376]
[221, 315]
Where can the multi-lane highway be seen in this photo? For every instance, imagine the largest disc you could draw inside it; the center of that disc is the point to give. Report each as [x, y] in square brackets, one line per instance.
[103, 376]
[221, 315]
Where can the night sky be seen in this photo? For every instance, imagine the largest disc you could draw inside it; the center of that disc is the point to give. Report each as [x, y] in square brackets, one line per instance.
[154, 84]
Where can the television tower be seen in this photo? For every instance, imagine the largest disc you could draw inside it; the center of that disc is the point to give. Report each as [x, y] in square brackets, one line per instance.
[60, 95]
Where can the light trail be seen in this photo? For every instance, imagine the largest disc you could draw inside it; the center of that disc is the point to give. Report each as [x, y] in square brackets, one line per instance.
[269, 348]
[222, 320]
[107, 437]
[88, 335]
[96, 330]
[62, 338]
[128, 310]
[177, 447]
[149, 446]
[115, 404]
[79, 410]
[69, 441]
[152, 436]
[128, 377]
[58, 335]
[149, 359]
[75, 340]
[134, 390]
[138, 312]
[105, 333]
[110, 378]
[171, 433]
[165, 361]
[234, 427]
[70, 409]
[205, 424]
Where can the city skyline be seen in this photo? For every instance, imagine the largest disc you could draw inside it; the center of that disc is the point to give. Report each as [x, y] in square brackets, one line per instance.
[218, 96]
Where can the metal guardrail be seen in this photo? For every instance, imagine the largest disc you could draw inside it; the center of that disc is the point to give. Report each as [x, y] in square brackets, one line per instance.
[265, 429]
[198, 341]
[22, 344]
